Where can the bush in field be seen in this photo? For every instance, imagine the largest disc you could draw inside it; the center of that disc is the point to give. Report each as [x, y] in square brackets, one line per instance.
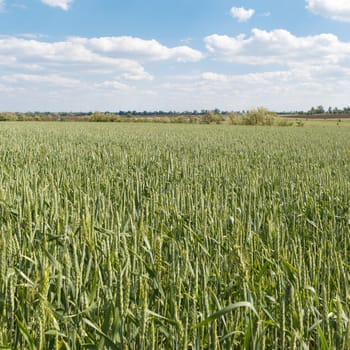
[105, 117]
[283, 122]
[212, 117]
[259, 116]
[7, 116]
[235, 118]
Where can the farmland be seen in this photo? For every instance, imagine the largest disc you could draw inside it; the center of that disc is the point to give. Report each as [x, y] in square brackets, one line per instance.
[151, 236]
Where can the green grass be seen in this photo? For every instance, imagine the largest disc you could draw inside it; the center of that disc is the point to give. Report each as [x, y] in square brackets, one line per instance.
[143, 236]
[329, 123]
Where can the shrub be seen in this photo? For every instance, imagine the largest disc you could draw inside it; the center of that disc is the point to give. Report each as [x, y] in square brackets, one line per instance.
[212, 117]
[235, 118]
[284, 122]
[259, 116]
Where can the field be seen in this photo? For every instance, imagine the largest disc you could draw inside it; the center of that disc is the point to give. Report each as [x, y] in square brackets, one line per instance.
[150, 236]
[344, 123]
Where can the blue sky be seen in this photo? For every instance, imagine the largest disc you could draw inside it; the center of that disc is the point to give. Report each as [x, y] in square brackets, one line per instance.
[87, 55]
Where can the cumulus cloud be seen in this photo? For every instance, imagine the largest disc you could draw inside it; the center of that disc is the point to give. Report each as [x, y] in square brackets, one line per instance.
[285, 72]
[278, 47]
[112, 84]
[97, 70]
[127, 46]
[256, 79]
[338, 10]
[51, 79]
[2, 5]
[63, 55]
[242, 14]
[63, 4]
[94, 55]
[137, 76]
[293, 88]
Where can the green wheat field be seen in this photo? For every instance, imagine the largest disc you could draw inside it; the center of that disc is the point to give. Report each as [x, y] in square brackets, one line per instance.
[151, 236]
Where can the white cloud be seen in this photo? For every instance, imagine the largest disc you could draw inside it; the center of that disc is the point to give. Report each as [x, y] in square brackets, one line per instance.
[278, 47]
[94, 56]
[137, 76]
[338, 10]
[63, 4]
[127, 46]
[83, 73]
[284, 72]
[63, 56]
[242, 14]
[289, 89]
[292, 88]
[256, 78]
[112, 84]
[51, 79]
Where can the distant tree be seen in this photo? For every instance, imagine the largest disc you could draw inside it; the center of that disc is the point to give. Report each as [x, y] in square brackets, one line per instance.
[320, 110]
[312, 110]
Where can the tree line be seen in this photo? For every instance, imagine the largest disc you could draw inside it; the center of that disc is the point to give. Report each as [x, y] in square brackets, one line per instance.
[259, 115]
[330, 110]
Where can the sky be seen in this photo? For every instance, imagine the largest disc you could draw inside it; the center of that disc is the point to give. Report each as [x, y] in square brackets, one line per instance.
[173, 55]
